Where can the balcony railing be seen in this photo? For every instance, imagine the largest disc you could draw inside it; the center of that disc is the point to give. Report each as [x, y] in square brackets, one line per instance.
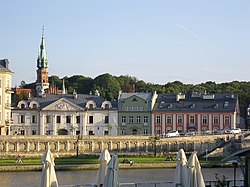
[8, 105]
[8, 90]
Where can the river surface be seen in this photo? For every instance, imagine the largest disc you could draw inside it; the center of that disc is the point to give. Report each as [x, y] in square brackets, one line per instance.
[32, 179]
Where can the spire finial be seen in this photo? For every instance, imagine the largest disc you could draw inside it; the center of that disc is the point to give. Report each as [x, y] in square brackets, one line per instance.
[43, 32]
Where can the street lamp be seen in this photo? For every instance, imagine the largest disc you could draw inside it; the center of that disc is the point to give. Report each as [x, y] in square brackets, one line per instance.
[235, 164]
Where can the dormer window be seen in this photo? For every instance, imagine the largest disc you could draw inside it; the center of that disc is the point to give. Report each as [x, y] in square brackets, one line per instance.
[22, 105]
[107, 106]
[91, 106]
[34, 106]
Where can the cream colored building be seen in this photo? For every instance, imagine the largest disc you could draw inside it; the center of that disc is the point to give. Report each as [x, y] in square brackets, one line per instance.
[5, 97]
[65, 114]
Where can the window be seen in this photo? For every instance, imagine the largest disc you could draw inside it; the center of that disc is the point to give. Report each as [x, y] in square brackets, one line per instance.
[131, 108]
[77, 119]
[91, 133]
[106, 106]
[22, 118]
[91, 106]
[131, 119]
[141, 108]
[68, 119]
[179, 119]
[158, 119]
[58, 119]
[204, 119]
[145, 131]
[227, 120]
[34, 119]
[48, 119]
[145, 120]
[169, 119]
[123, 131]
[136, 108]
[106, 120]
[33, 132]
[106, 132]
[158, 130]
[191, 120]
[123, 119]
[91, 119]
[216, 119]
[34, 106]
[138, 119]
[126, 108]
[22, 132]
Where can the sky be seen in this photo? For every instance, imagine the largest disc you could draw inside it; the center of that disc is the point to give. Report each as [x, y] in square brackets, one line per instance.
[158, 41]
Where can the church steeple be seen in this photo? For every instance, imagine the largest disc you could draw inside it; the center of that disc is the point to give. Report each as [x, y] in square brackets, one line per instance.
[42, 82]
[42, 60]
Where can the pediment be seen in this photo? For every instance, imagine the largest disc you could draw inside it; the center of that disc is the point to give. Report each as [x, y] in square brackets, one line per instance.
[62, 104]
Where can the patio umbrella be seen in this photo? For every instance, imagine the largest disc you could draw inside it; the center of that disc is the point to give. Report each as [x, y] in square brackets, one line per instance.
[181, 169]
[111, 179]
[48, 178]
[102, 171]
[195, 178]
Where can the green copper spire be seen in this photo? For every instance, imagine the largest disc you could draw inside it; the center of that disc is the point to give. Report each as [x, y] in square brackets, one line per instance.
[42, 61]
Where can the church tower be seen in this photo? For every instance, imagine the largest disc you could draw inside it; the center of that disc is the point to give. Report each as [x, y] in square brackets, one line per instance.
[42, 82]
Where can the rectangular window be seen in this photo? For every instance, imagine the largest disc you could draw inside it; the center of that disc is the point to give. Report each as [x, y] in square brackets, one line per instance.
[131, 108]
[48, 119]
[34, 119]
[58, 119]
[106, 120]
[191, 120]
[158, 130]
[126, 108]
[145, 120]
[68, 119]
[91, 119]
[227, 120]
[78, 119]
[106, 132]
[204, 119]
[123, 132]
[131, 119]
[145, 131]
[123, 119]
[22, 118]
[215, 119]
[158, 119]
[33, 132]
[138, 119]
[179, 119]
[169, 119]
[22, 132]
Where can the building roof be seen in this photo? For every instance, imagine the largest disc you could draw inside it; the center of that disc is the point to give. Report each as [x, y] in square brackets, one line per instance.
[197, 102]
[145, 96]
[4, 65]
[80, 100]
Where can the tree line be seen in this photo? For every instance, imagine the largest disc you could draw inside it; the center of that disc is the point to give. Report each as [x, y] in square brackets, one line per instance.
[109, 87]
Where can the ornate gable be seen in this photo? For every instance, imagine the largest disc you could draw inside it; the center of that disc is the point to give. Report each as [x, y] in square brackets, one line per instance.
[62, 104]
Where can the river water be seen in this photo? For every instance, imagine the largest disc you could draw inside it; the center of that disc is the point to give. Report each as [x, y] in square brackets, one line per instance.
[32, 179]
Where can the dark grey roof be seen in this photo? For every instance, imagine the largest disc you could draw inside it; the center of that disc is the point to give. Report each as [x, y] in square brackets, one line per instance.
[80, 100]
[197, 102]
[4, 65]
[145, 96]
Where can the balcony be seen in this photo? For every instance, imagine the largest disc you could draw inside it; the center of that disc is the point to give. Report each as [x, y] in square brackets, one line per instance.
[8, 90]
[8, 122]
[8, 106]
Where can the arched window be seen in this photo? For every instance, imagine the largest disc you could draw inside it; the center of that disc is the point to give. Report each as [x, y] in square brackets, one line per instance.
[107, 106]
[134, 132]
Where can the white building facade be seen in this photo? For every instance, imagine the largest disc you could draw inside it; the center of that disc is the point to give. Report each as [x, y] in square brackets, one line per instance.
[65, 114]
[5, 97]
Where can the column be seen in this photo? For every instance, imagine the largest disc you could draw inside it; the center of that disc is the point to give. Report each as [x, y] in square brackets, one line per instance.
[199, 122]
[54, 125]
[58, 146]
[221, 121]
[174, 122]
[41, 124]
[7, 147]
[185, 122]
[163, 124]
[28, 147]
[38, 146]
[210, 121]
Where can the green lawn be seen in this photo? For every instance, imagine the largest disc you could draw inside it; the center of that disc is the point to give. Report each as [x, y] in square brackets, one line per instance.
[79, 160]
